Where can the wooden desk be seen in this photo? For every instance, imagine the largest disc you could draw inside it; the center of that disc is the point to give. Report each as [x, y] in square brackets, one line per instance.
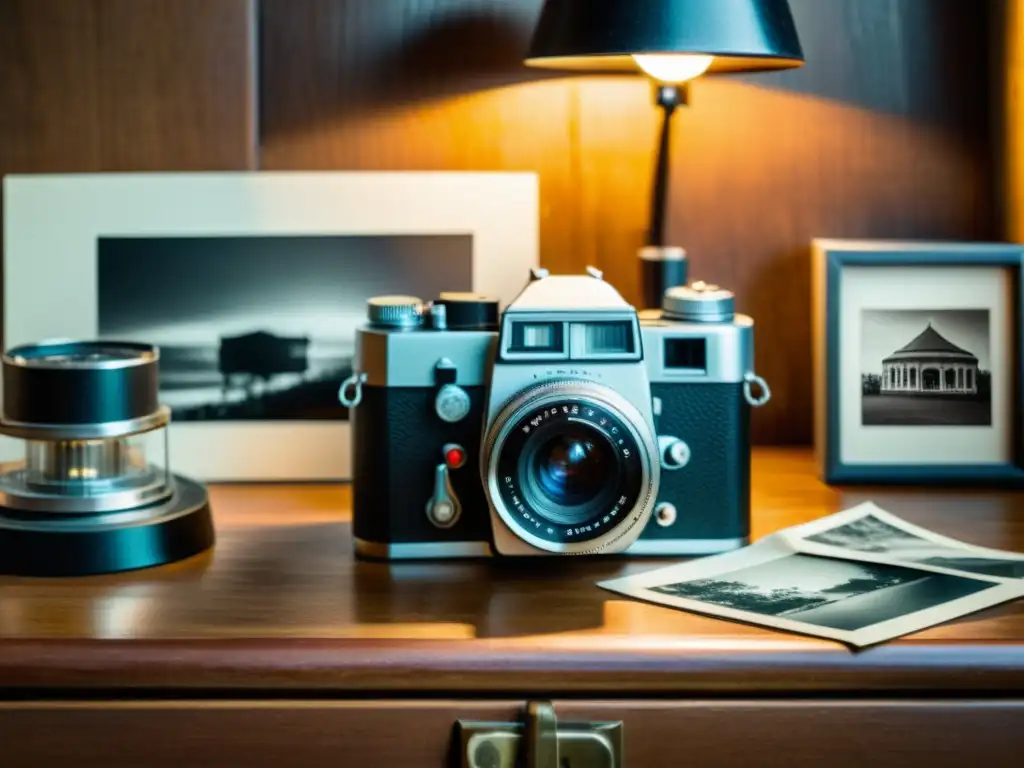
[278, 648]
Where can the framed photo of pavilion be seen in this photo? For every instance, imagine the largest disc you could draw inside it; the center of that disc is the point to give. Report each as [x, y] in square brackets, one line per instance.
[918, 362]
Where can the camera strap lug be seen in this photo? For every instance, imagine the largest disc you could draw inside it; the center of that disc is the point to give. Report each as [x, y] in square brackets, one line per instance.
[354, 385]
[751, 380]
[539, 741]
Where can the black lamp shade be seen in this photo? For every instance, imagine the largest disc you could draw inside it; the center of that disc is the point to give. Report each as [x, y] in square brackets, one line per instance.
[602, 35]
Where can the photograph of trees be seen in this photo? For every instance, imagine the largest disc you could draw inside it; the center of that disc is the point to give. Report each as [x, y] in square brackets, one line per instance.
[827, 592]
[870, 534]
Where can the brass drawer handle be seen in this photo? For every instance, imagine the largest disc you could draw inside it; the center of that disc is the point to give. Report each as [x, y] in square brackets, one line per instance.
[540, 741]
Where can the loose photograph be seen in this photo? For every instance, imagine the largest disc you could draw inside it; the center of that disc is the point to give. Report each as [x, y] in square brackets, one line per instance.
[870, 533]
[826, 592]
[857, 602]
[926, 367]
[262, 328]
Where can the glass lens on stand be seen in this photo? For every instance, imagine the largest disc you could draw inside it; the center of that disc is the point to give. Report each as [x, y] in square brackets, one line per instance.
[92, 490]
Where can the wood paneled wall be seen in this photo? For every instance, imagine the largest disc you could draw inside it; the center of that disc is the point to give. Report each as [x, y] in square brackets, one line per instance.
[126, 85]
[885, 133]
[1008, 42]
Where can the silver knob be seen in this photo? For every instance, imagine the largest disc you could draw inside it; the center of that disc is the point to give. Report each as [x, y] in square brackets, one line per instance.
[443, 508]
[675, 454]
[395, 311]
[665, 514]
[442, 512]
[439, 317]
[452, 403]
[699, 302]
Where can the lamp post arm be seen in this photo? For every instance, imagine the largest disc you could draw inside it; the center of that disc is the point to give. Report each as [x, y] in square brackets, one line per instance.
[668, 97]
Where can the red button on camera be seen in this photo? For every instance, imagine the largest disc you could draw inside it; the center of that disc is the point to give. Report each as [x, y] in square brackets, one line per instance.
[454, 456]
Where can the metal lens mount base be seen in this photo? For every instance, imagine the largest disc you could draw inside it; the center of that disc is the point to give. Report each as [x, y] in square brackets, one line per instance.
[51, 545]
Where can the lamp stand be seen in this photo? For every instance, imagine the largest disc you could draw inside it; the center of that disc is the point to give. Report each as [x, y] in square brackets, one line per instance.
[663, 266]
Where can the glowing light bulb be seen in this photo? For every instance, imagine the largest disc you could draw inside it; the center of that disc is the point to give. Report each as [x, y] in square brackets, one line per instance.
[673, 67]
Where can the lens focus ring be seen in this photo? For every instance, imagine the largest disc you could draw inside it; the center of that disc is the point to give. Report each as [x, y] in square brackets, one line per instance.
[571, 467]
[81, 383]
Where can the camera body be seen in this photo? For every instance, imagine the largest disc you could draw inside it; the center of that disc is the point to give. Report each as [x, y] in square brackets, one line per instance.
[570, 425]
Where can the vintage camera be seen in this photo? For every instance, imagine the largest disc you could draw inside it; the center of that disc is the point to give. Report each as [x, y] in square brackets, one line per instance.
[576, 427]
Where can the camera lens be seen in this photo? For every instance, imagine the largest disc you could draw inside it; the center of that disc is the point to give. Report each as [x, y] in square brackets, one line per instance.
[80, 383]
[86, 357]
[569, 474]
[570, 467]
[89, 354]
[93, 492]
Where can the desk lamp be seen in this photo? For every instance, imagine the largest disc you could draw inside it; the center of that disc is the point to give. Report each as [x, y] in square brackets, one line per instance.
[673, 42]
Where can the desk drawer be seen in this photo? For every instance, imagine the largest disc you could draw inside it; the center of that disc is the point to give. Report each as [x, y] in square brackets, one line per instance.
[202, 734]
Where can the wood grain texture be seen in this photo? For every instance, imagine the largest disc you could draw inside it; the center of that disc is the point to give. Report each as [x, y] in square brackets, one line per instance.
[177, 84]
[126, 85]
[421, 86]
[657, 734]
[883, 134]
[1008, 42]
[281, 604]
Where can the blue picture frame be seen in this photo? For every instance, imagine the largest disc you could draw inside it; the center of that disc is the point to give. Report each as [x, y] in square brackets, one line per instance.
[830, 259]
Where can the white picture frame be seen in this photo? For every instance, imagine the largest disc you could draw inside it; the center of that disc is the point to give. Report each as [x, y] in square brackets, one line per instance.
[52, 224]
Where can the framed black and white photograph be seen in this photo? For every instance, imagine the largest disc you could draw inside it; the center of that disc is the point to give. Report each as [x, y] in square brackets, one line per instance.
[253, 287]
[918, 362]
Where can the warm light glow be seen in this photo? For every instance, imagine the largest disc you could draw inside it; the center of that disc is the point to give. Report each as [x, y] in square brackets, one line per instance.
[673, 67]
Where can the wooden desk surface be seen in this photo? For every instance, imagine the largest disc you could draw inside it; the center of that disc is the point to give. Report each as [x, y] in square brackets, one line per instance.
[281, 604]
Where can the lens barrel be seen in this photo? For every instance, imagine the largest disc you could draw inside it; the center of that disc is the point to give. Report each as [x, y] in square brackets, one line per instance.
[81, 382]
[570, 467]
[94, 492]
[567, 471]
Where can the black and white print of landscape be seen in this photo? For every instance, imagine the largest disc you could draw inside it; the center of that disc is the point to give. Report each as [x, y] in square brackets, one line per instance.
[870, 534]
[262, 327]
[825, 592]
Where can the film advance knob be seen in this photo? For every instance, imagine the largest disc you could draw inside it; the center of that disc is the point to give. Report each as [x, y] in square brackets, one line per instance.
[699, 302]
[452, 403]
[395, 311]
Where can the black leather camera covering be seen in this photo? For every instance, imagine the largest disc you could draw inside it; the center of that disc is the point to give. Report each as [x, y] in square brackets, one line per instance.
[398, 438]
[397, 445]
[712, 492]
